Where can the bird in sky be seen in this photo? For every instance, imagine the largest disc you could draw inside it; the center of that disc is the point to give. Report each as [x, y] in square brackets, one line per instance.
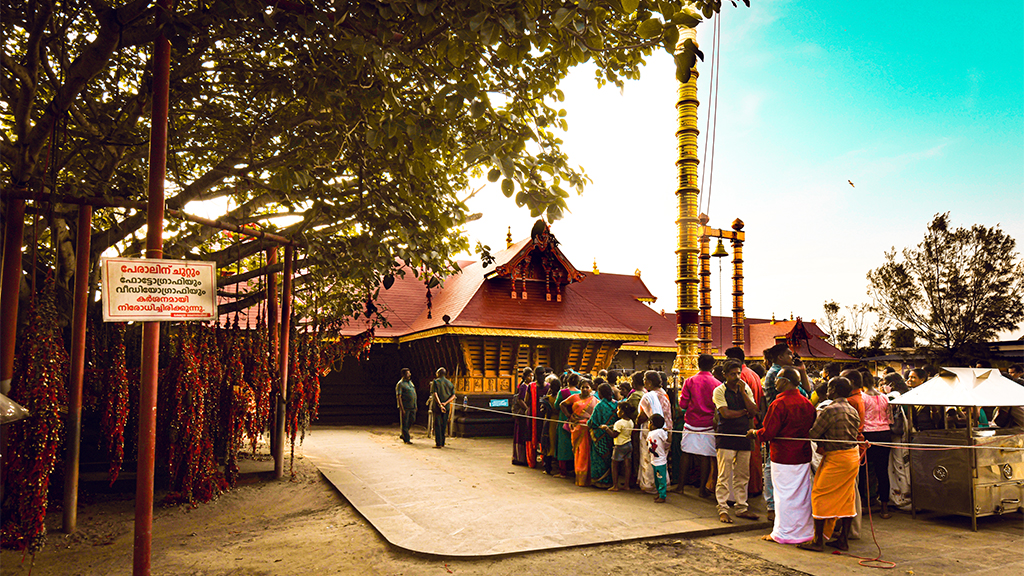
[851, 183]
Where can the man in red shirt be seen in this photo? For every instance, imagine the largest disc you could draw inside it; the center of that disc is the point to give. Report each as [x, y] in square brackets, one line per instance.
[789, 416]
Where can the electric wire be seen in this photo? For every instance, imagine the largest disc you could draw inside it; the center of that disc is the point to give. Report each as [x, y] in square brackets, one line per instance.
[707, 123]
[714, 122]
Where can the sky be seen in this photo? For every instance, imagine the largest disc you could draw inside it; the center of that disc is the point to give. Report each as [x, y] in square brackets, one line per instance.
[920, 104]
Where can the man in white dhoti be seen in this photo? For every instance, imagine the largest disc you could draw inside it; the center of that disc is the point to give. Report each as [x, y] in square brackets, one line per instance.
[790, 415]
[696, 398]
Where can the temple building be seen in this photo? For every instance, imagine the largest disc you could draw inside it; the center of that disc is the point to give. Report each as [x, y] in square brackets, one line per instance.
[530, 306]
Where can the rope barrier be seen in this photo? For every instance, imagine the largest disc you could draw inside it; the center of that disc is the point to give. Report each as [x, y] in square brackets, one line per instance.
[865, 561]
[909, 446]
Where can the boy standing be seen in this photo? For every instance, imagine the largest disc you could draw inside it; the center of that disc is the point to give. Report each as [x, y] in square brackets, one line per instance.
[657, 443]
[622, 450]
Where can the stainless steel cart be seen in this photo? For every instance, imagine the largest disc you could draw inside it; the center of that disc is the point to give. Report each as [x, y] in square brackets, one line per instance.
[968, 482]
[982, 473]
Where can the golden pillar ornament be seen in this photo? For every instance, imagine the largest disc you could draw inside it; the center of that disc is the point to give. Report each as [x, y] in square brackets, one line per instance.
[688, 226]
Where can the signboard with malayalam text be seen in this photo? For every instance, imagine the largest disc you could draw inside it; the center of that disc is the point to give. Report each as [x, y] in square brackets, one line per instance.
[147, 290]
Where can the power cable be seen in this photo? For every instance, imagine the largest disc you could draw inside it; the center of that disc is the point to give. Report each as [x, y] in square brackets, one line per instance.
[716, 72]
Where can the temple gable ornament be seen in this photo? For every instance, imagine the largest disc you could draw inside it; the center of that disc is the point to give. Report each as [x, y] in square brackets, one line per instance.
[539, 260]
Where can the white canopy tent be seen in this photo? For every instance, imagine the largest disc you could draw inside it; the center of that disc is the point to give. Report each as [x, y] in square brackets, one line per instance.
[965, 387]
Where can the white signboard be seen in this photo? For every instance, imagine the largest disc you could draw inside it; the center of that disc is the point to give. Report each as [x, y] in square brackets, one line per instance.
[158, 290]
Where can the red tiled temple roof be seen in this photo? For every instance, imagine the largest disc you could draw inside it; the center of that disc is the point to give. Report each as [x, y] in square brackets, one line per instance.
[599, 305]
[758, 334]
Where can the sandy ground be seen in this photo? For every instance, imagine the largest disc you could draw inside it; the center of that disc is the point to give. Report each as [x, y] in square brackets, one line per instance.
[304, 526]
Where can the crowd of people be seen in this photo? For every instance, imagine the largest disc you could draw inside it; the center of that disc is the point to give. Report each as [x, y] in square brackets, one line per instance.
[829, 439]
[832, 442]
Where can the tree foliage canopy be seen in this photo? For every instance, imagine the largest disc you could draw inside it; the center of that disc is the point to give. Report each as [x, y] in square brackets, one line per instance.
[956, 287]
[351, 125]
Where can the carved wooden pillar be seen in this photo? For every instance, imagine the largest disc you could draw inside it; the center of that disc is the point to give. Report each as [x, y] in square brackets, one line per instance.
[737, 284]
[704, 330]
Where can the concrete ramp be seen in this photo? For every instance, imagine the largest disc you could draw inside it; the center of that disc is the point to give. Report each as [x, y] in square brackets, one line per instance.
[468, 500]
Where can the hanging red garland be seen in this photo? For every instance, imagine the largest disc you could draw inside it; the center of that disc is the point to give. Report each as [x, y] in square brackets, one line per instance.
[39, 385]
[115, 416]
[94, 398]
[315, 369]
[234, 401]
[296, 415]
[260, 380]
[195, 476]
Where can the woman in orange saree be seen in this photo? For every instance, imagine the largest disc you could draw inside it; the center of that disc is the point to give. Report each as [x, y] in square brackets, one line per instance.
[581, 412]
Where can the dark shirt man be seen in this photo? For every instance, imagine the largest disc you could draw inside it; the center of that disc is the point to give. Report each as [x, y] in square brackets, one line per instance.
[405, 393]
[734, 403]
[442, 391]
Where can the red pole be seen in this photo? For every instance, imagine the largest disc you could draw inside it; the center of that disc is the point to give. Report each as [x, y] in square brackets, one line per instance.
[282, 403]
[10, 285]
[77, 369]
[151, 330]
[272, 311]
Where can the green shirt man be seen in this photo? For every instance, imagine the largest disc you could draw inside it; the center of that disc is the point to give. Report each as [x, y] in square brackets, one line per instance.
[405, 393]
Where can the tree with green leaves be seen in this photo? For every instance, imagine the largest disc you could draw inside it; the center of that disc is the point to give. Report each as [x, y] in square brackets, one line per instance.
[959, 286]
[353, 127]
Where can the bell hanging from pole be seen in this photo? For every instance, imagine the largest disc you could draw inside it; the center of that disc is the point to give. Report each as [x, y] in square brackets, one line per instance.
[720, 250]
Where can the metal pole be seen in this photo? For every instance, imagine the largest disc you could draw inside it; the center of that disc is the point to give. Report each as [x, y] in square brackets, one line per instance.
[151, 330]
[10, 285]
[687, 223]
[71, 459]
[282, 402]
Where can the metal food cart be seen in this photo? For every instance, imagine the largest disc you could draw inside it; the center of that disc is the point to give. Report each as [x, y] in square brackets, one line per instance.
[982, 473]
